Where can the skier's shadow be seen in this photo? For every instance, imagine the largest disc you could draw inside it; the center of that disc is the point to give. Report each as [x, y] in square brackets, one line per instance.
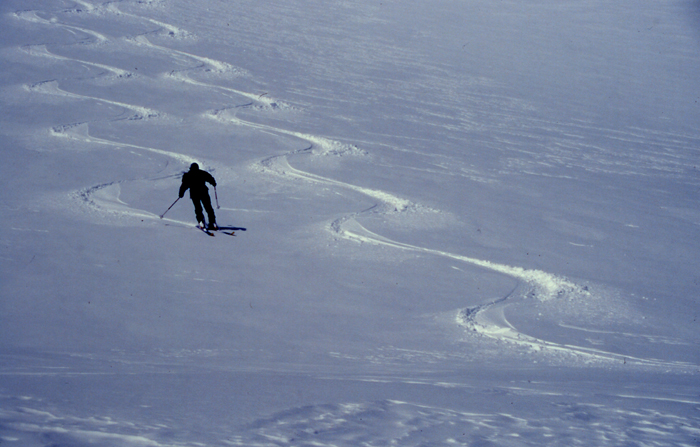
[233, 228]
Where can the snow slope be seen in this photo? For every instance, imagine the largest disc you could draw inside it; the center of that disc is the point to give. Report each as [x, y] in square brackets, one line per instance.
[469, 223]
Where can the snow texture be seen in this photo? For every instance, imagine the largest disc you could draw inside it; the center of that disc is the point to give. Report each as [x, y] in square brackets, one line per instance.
[461, 223]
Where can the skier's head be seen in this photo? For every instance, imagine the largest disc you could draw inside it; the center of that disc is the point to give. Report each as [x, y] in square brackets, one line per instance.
[194, 167]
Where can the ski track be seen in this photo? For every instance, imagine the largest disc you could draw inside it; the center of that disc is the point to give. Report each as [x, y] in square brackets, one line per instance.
[33, 17]
[42, 51]
[95, 197]
[80, 132]
[51, 88]
[488, 320]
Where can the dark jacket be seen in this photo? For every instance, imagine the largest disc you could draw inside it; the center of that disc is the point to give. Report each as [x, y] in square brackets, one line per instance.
[195, 180]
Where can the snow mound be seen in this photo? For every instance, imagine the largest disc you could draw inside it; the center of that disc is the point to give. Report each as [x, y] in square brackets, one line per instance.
[382, 422]
[392, 422]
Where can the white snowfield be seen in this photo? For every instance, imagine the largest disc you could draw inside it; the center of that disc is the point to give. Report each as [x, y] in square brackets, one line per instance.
[459, 223]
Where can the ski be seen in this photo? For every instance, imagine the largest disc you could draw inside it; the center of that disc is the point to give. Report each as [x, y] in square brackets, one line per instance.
[229, 231]
[204, 230]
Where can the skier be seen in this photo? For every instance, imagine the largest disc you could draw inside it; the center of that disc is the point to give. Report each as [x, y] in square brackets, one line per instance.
[195, 180]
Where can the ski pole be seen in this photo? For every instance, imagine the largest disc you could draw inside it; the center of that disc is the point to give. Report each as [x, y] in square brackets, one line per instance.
[161, 216]
[216, 196]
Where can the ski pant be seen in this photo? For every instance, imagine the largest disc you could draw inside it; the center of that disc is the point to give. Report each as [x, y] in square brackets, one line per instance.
[205, 201]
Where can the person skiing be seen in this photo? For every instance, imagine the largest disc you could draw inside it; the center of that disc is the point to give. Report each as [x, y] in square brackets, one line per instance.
[195, 180]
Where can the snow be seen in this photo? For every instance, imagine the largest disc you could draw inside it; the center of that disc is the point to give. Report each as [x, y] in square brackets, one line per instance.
[466, 223]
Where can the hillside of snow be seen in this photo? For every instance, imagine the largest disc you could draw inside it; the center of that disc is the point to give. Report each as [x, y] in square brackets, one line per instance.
[459, 223]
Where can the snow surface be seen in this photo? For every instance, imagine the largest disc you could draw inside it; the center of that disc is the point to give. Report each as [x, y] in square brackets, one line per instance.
[467, 223]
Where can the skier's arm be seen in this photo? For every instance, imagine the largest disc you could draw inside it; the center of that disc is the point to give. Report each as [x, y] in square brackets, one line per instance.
[210, 179]
[183, 187]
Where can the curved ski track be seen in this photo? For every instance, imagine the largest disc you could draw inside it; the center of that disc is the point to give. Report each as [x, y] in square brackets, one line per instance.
[488, 320]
